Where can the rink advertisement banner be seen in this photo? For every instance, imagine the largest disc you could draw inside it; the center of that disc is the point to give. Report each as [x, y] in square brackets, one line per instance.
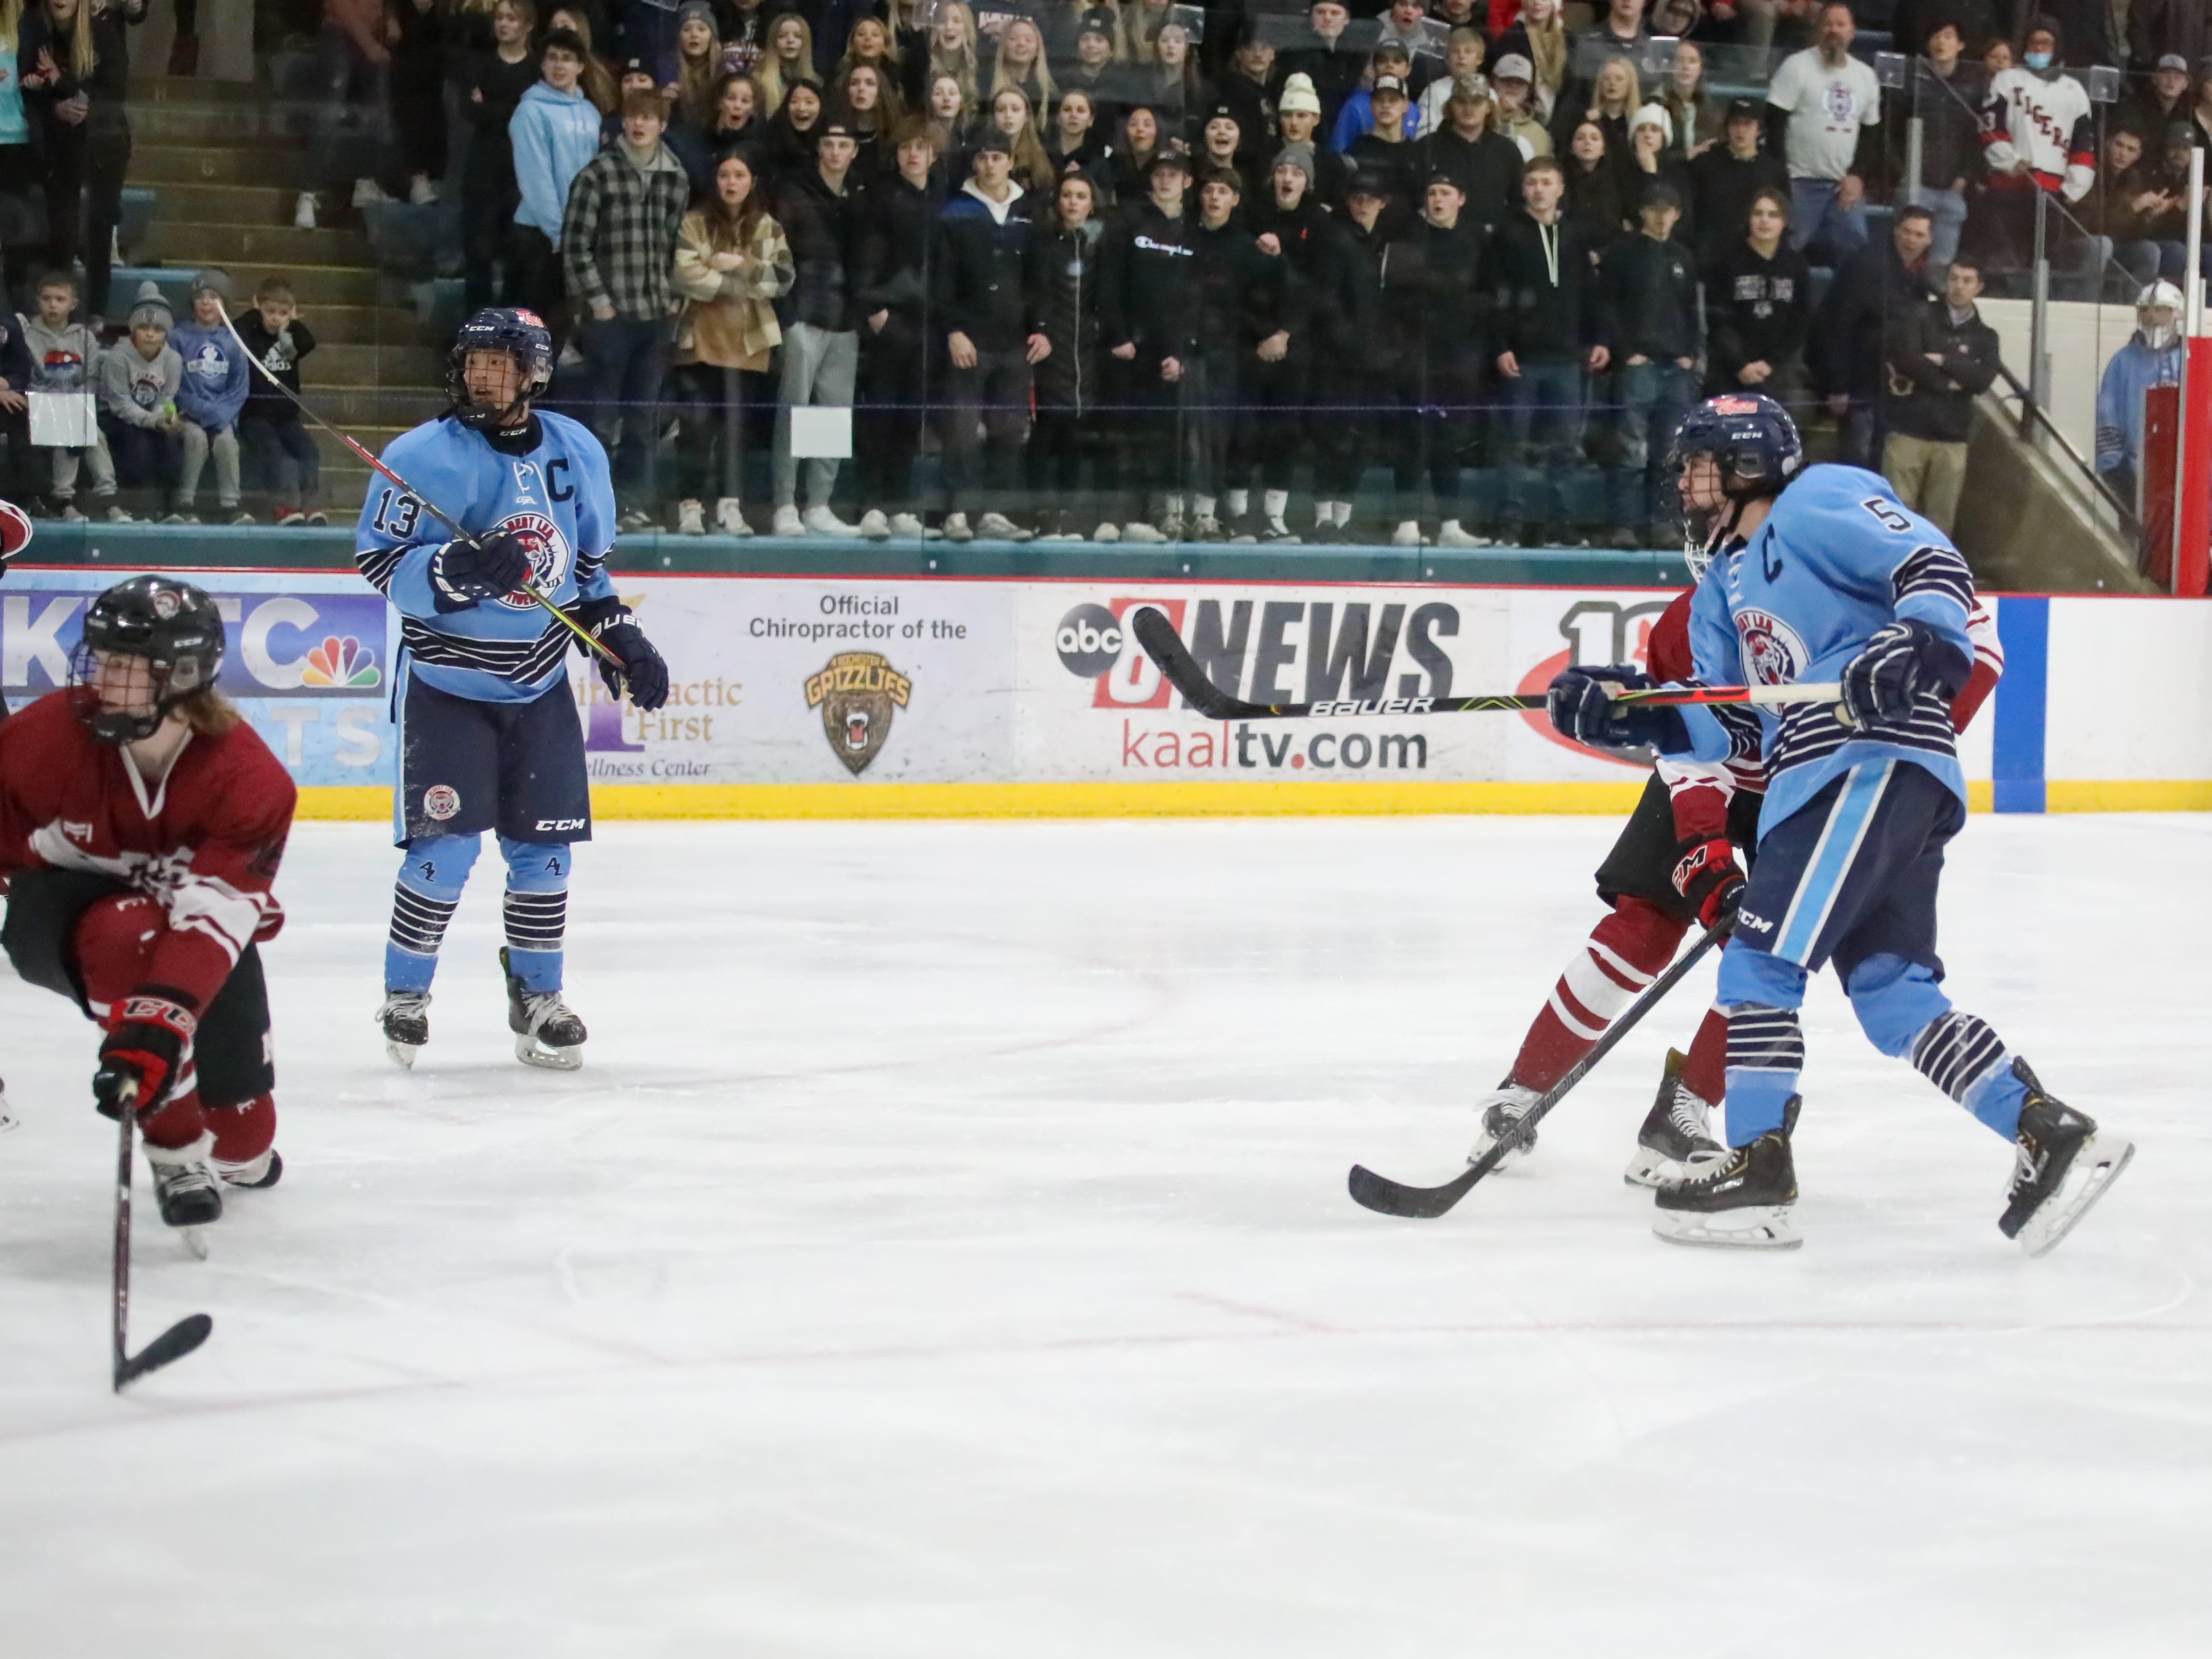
[845, 698]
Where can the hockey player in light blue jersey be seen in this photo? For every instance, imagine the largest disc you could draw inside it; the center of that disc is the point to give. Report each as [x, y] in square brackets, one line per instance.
[1815, 576]
[489, 733]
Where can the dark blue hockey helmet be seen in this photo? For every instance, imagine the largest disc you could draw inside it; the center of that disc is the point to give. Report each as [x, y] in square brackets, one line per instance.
[1754, 443]
[523, 337]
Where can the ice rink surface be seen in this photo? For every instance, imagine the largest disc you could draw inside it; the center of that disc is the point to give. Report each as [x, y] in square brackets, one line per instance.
[944, 1252]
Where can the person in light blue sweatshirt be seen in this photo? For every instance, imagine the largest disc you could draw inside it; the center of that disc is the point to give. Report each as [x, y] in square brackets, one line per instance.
[555, 129]
[217, 377]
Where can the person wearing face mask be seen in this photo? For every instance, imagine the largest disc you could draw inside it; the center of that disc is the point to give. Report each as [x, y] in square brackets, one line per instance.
[2038, 136]
[2151, 357]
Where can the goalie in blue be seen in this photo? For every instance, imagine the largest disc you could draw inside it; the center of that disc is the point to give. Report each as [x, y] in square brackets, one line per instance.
[1822, 575]
[489, 737]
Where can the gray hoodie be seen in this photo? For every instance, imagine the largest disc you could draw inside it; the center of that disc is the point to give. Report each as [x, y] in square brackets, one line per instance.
[133, 390]
[62, 359]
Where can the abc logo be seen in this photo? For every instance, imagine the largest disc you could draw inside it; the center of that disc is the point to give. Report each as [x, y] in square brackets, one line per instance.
[1088, 640]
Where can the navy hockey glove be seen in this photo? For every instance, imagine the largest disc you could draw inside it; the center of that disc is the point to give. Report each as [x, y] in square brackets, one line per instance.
[1707, 875]
[1581, 710]
[460, 575]
[144, 1052]
[645, 675]
[1900, 661]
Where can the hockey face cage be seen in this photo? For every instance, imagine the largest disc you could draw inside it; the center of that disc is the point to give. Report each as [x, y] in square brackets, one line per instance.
[1755, 445]
[172, 626]
[527, 341]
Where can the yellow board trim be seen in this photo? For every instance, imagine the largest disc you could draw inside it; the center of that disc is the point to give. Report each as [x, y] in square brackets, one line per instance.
[1193, 800]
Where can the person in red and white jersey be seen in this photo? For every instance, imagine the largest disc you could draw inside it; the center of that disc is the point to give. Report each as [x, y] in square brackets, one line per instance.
[2039, 133]
[141, 823]
[1676, 864]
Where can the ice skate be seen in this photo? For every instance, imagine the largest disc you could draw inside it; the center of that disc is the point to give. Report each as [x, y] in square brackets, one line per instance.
[1739, 1198]
[547, 1031]
[406, 1018]
[185, 1185]
[1678, 1128]
[2062, 1164]
[1501, 1110]
[254, 1175]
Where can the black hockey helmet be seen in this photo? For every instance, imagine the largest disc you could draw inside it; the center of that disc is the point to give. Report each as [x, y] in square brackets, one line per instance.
[523, 337]
[1754, 443]
[170, 625]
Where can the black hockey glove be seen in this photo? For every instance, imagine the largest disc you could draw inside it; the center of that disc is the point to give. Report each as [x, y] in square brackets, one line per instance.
[645, 674]
[1900, 661]
[145, 1050]
[1581, 710]
[460, 575]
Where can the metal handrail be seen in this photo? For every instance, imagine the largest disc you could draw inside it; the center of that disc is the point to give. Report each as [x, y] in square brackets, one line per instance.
[2032, 412]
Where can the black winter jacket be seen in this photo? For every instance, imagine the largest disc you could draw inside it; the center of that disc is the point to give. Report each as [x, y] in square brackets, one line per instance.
[1647, 301]
[826, 232]
[1845, 353]
[1244, 295]
[1488, 171]
[989, 279]
[1069, 378]
[1935, 400]
[898, 261]
[1540, 296]
[1148, 285]
[1314, 245]
[1722, 187]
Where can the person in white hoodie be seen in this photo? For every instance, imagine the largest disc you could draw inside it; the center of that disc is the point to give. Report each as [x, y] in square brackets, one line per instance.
[554, 132]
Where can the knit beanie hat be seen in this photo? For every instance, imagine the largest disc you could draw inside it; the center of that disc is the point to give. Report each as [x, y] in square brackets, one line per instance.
[1298, 95]
[1299, 155]
[700, 9]
[150, 307]
[214, 280]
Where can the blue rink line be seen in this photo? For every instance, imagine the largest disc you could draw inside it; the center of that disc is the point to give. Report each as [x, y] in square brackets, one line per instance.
[2022, 701]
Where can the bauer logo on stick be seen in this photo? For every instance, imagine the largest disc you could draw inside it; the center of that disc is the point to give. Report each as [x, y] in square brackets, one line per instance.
[856, 692]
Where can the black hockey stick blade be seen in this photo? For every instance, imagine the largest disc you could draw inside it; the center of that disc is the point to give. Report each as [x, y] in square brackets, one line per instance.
[1165, 647]
[173, 1343]
[1388, 1197]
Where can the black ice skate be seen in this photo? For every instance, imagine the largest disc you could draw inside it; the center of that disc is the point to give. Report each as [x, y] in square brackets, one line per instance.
[2062, 1164]
[1502, 1110]
[254, 1173]
[1678, 1128]
[547, 1031]
[1739, 1198]
[185, 1185]
[406, 1018]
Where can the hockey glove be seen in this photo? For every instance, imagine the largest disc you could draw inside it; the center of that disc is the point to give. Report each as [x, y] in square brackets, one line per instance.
[642, 670]
[460, 574]
[1707, 875]
[1582, 709]
[1903, 660]
[145, 1051]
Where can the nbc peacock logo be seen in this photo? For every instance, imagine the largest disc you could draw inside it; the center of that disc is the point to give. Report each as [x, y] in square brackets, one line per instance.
[341, 661]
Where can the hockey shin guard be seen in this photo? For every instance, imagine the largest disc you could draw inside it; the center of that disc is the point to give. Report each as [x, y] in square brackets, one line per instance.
[537, 910]
[423, 899]
[1905, 1013]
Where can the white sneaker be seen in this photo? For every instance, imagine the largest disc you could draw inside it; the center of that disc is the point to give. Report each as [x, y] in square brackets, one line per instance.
[956, 527]
[1205, 528]
[1452, 534]
[423, 192]
[69, 514]
[908, 525]
[690, 519]
[115, 514]
[821, 521]
[1500, 1110]
[303, 211]
[1107, 533]
[1171, 527]
[367, 192]
[235, 516]
[786, 523]
[1407, 534]
[572, 356]
[997, 526]
[875, 525]
[730, 517]
[1140, 532]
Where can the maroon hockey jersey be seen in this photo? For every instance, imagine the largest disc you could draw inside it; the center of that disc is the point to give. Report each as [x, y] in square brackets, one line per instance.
[205, 841]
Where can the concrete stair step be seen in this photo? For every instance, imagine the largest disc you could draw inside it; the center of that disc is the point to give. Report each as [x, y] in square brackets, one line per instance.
[283, 165]
[148, 91]
[192, 202]
[177, 239]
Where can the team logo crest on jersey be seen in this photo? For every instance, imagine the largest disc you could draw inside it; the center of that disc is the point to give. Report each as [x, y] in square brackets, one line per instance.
[857, 692]
[1773, 655]
[548, 555]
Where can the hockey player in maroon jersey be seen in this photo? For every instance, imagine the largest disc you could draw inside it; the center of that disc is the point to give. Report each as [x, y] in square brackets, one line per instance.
[141, 822]
[1675, 864]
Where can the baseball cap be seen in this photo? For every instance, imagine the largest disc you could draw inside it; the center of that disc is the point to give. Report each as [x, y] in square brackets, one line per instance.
[839, 129]
[1388, 84]
[1173, 158]
[1745, 109]
[1513, 67]
[1367, 183]
[1097, 20]
[2174, 60]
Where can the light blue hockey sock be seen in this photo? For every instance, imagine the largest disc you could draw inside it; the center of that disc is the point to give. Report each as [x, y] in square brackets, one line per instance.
[1905, 1013]
[537, 907]
[431, 877]
[1766, 1047]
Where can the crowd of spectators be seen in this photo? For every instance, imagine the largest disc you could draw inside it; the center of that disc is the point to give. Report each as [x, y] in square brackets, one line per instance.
[1143, 271]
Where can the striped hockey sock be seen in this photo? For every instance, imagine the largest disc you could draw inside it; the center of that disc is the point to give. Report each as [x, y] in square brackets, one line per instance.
[418, 928]
[1624, 954]
[1766, 1052]
[535, 924]
[1963, 1056]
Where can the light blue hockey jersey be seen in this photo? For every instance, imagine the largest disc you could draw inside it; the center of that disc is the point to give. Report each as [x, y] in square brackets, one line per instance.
[557, 497]
[1838, 556]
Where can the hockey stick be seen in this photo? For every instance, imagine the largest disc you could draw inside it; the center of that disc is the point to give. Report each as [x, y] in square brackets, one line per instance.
[180, 1338]
[1388, 1198]
[429, 506]
[1162, 643]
